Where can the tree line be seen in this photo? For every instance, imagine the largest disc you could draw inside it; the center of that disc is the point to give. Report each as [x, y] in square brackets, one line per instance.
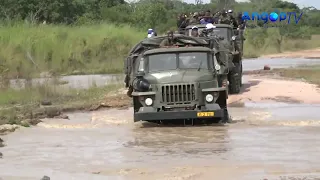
[158, 14]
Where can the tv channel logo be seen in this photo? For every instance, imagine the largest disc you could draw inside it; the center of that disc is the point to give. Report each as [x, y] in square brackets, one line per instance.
[273, 16]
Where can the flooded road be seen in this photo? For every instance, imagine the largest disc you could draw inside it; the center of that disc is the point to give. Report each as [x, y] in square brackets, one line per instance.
[267, 141]
[98, 145]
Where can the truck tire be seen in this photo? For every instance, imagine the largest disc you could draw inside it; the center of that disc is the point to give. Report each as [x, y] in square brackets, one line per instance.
[234, 78]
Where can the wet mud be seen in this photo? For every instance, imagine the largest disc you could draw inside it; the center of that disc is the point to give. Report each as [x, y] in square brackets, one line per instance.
[275, 135]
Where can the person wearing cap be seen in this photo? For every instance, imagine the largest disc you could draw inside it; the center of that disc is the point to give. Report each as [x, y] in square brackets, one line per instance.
[209, 28]
[208, 31]
[232, 18]
[151, 33]
[194, 31]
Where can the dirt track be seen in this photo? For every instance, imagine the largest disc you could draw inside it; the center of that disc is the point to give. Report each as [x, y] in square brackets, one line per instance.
[307, 54]
[268, 89]
[276, 133]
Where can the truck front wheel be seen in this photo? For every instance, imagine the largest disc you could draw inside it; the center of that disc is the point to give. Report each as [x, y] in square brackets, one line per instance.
[234, 78]
[222, 101]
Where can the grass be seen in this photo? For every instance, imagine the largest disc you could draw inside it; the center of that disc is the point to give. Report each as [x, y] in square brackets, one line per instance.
[254, 48]
[309, 73]
[93, 49]
[27, 50]
[19, 105]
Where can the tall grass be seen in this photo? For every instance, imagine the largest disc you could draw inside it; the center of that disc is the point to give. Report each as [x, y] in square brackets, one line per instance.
[101, 48]
[27, 50]
[256, 45]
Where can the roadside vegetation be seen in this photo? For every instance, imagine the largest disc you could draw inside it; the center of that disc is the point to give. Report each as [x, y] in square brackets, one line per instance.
[85, 37]
[28, 50]
[310, 74]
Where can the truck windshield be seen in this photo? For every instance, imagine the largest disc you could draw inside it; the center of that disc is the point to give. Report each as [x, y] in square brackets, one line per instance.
[162, 62]
[223, 32]
[194, 60]
[190, 60]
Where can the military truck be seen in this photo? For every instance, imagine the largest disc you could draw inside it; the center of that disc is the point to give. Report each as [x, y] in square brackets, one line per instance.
[232, 39]
[177, 83]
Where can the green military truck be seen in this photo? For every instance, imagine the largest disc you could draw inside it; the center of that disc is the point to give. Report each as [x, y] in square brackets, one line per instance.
[177, 83]
[232, 40]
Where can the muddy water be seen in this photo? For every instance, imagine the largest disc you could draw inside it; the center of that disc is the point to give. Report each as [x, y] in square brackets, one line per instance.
[266, 141]
[106, 144]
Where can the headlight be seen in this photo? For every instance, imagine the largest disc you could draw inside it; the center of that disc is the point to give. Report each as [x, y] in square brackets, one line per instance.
[209, 98]
[148, 101]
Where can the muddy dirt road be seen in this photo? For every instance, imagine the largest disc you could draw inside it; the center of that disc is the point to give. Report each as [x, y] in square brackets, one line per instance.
[275, 134]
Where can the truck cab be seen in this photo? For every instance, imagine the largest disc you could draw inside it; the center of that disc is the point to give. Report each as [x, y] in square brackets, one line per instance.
[233, 41]
[179, 83]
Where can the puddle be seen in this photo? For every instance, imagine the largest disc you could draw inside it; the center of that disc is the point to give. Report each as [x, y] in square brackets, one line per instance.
[76, 81]
[258, 63]
[289, 111]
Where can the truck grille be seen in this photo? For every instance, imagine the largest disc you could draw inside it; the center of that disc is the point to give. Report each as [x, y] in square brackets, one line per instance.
[179, 93]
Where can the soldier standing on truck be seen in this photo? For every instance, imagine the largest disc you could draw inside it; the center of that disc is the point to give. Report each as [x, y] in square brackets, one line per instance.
[215, 17]
[242, 25]
[182, 22]
[241, 22]
[208, 17]
[194, 19]
[224, 18]
[233, 20]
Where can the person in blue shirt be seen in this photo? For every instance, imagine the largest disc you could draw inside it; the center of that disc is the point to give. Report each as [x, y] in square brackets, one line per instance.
[151, 33]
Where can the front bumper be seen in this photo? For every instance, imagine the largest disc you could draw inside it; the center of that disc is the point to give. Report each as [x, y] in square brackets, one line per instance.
[150, 114]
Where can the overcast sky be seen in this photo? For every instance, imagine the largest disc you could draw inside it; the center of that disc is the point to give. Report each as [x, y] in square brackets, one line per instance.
[301, 3]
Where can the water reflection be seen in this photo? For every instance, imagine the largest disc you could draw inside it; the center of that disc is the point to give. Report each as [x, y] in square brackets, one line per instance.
[176, 140]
